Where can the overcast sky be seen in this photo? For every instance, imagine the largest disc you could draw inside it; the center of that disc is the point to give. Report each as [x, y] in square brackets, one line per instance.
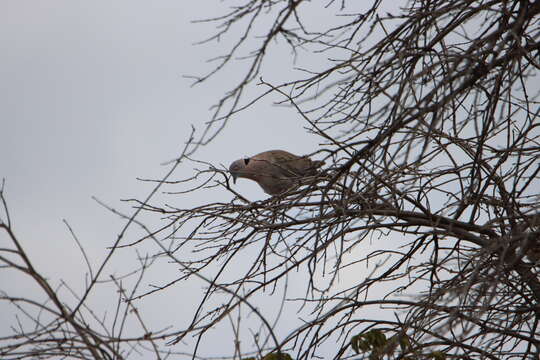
[92, 96]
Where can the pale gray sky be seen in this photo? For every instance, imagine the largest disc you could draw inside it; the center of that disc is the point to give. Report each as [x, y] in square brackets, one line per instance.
[91, 97]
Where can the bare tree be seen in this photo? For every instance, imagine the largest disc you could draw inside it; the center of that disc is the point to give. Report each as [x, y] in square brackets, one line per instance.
[429, 118]
[56, 321]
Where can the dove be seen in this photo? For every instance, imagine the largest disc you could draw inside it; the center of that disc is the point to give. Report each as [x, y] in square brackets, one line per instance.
[276, 171]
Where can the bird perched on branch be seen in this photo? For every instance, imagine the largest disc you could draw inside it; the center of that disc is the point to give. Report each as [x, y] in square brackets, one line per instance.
[276, 171]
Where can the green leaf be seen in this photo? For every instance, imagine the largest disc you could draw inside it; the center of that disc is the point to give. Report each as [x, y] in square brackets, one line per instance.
[371, 340]
[277, 356]
[437, 355]
[378, 339]
[359, 344]
[404, 342]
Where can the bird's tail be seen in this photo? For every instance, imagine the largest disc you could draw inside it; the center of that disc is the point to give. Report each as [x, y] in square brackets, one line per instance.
[317, 163]
[313, 169]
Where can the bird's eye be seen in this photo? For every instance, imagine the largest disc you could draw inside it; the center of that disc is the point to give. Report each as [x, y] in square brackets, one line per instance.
[246, 161]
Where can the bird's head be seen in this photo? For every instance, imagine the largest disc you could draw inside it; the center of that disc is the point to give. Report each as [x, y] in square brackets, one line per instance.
[238, 167]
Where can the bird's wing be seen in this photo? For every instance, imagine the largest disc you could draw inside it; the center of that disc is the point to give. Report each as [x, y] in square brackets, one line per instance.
[289, 164]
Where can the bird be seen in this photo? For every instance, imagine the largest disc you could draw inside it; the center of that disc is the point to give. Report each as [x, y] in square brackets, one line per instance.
[276, 171]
